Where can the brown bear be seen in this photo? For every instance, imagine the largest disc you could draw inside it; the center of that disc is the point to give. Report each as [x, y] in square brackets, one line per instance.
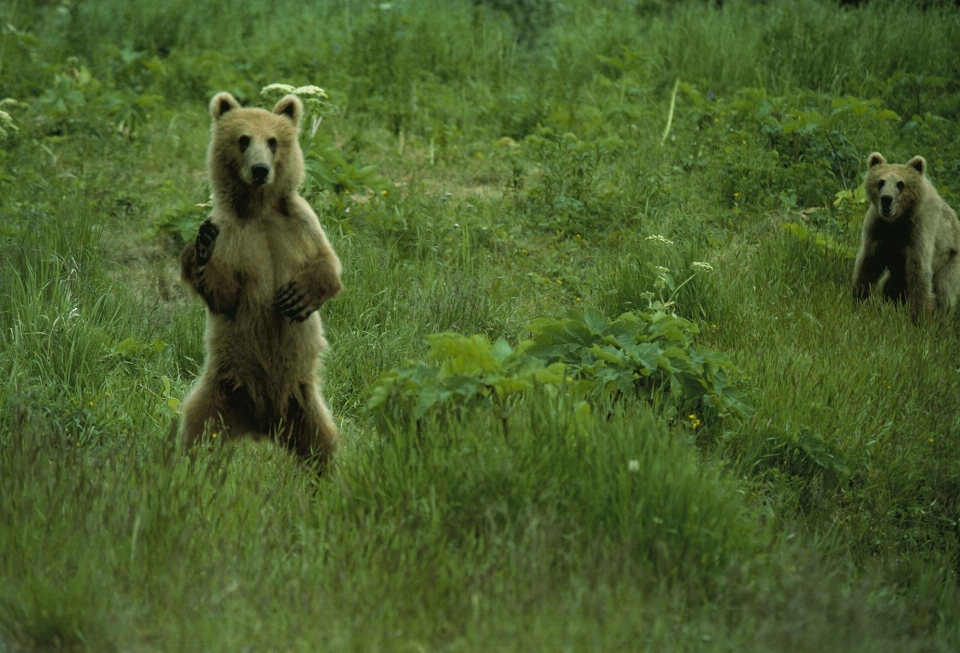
[263, 265]
[910, 231]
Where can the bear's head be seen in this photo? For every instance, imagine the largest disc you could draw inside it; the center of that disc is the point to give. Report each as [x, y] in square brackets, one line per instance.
[255, 149]
[892, 188]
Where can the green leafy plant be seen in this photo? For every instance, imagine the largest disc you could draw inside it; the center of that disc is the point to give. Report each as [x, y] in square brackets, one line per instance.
[61, 101]
[460, 373]
[182, 220]
[645, 354]
[566, 197]
[846, 217]
[328, 169]
[803, 451]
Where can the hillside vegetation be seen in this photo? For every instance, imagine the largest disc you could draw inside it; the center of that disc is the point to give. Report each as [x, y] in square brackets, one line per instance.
[601, 378]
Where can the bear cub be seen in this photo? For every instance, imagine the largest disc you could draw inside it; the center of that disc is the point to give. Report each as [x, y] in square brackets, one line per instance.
[263, 266]
[911, 232]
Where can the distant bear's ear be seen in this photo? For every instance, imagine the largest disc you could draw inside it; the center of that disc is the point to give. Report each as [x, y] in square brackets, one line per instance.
[221, 103]
[918, 163]
[876, 159]
[291, 107]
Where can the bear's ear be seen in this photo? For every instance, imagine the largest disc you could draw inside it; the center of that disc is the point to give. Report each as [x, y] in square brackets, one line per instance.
[291, 107]
[918, 163]
[875, 159]
[221, 103]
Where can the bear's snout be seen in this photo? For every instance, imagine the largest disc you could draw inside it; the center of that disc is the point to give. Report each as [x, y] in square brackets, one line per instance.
[260, 172]
[886, 205]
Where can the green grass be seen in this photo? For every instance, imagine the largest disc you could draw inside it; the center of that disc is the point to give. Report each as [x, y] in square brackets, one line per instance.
[522, 146]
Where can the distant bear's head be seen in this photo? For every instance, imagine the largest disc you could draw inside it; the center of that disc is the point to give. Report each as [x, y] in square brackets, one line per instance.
[894, 189]
[254, 148]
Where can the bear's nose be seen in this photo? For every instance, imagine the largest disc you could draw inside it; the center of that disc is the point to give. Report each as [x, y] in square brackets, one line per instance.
[260, 172]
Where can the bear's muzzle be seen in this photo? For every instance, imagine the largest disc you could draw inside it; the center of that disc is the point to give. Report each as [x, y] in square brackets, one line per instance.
[260, 172]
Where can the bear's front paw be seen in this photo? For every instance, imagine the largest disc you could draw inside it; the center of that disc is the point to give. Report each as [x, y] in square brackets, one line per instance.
[292, 301]
[206, 239]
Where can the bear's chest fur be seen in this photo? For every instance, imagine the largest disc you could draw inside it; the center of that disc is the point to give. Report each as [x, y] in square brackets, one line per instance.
[268, 250]
[893, 239]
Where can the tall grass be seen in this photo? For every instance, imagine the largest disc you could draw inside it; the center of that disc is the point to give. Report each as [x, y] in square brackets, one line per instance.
[523, 141]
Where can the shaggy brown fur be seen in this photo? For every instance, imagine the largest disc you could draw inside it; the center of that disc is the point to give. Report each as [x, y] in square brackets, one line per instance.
[263, 265]
[910, 231]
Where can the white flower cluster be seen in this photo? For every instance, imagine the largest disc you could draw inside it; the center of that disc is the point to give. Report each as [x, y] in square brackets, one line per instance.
[305, 91]
[6, 120]
[702, 265]
[310, 90]
[283, 88]
[316, 102]
[660, 239]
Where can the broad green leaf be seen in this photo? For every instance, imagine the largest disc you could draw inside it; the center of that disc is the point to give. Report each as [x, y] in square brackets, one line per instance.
[594, 320]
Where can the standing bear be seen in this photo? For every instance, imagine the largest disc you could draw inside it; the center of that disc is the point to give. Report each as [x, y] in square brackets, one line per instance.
[910, 231]
[263, 266]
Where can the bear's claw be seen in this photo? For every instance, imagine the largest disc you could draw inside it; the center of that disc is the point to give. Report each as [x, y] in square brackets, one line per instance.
[206, 239]
[292, 303]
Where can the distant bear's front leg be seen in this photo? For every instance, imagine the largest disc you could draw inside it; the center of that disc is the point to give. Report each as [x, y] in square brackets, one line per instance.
[308, 291]
[219, 288]
[919, 288]
[867, 270]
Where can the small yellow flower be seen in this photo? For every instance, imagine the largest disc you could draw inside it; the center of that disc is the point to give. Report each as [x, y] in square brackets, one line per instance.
[736, 194]
[694, 421]
[579, 300]
[930, 440]
[214, 435]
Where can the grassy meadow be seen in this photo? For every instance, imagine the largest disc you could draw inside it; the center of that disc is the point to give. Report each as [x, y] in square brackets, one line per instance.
[746, 460]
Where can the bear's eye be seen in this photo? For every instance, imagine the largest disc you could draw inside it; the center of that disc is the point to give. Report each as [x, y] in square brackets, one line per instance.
[899, 185]
[244, 143]
[272, 143]
[880, 183]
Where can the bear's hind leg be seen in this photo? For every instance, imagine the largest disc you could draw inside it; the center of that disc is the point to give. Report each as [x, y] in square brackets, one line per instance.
[213, 407]
[310, 432]
[200, 411]
[946, 283]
